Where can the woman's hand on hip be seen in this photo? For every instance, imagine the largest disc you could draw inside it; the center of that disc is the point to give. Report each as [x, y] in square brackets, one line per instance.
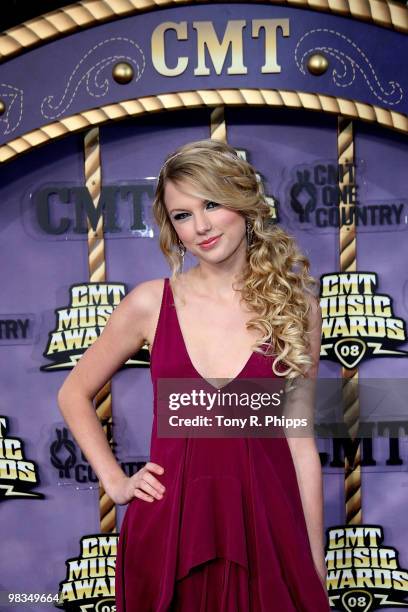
[143, 485]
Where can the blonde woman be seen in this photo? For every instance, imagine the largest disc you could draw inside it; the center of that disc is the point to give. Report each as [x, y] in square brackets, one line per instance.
[213, 524]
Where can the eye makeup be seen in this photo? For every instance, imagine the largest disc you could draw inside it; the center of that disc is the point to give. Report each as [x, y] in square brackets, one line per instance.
[179, 216]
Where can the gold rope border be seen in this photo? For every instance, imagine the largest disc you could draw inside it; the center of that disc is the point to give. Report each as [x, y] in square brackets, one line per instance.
[97, 274]
[78, 16]
[350, 378]
[202, 98]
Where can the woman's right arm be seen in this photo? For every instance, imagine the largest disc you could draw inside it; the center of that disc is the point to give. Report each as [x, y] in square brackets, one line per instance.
[123, 335]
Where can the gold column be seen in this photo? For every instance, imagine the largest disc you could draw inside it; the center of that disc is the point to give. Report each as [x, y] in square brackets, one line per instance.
[97, 273]
[348, 263]
[218, 125]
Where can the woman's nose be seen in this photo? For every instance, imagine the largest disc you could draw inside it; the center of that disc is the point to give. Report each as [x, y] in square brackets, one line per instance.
[202, 223]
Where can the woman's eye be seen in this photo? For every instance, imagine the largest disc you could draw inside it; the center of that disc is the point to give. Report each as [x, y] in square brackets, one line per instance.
[179, 216]
[182, 216]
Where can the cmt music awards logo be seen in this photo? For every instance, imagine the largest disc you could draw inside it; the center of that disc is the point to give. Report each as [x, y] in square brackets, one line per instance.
[357, 321]
[82, 322]
[17, 475]
[90, 579]
[316, 191]
[362, 574]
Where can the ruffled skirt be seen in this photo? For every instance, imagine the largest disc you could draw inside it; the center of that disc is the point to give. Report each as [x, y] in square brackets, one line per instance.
[229, 534]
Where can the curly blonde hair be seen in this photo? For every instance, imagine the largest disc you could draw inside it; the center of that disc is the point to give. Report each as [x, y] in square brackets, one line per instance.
[276, 281]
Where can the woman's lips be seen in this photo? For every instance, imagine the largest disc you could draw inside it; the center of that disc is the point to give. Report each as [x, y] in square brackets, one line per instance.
[208, 245]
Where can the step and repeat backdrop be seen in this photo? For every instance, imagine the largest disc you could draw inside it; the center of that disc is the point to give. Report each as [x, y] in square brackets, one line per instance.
[92, 98]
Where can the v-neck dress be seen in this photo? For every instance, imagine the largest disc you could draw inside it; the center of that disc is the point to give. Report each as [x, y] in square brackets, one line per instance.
[229, 534]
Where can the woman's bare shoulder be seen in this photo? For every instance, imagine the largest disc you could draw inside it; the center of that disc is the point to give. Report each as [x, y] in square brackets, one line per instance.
[146, 296]
[314, 310]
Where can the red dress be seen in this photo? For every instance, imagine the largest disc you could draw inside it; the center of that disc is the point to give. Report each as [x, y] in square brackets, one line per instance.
[229, 534]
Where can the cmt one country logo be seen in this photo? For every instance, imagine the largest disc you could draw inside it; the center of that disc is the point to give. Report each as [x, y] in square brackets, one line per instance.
[358, 322]
[71, 464]
[362, 574]
[82, 322]
[316, 191]
[17, 474]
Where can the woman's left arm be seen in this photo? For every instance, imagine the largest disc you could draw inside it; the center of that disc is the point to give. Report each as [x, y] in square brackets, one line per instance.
[305, 454]
[309, 476]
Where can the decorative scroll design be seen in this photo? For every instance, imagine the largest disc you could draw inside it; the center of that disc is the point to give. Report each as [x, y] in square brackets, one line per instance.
[13, 98]
[345, 63]
[93, 69]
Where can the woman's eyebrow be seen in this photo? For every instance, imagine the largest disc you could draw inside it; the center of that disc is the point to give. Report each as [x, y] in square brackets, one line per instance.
[182, 209]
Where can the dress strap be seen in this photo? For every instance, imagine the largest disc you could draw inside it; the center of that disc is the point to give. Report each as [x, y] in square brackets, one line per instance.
[168, 358]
